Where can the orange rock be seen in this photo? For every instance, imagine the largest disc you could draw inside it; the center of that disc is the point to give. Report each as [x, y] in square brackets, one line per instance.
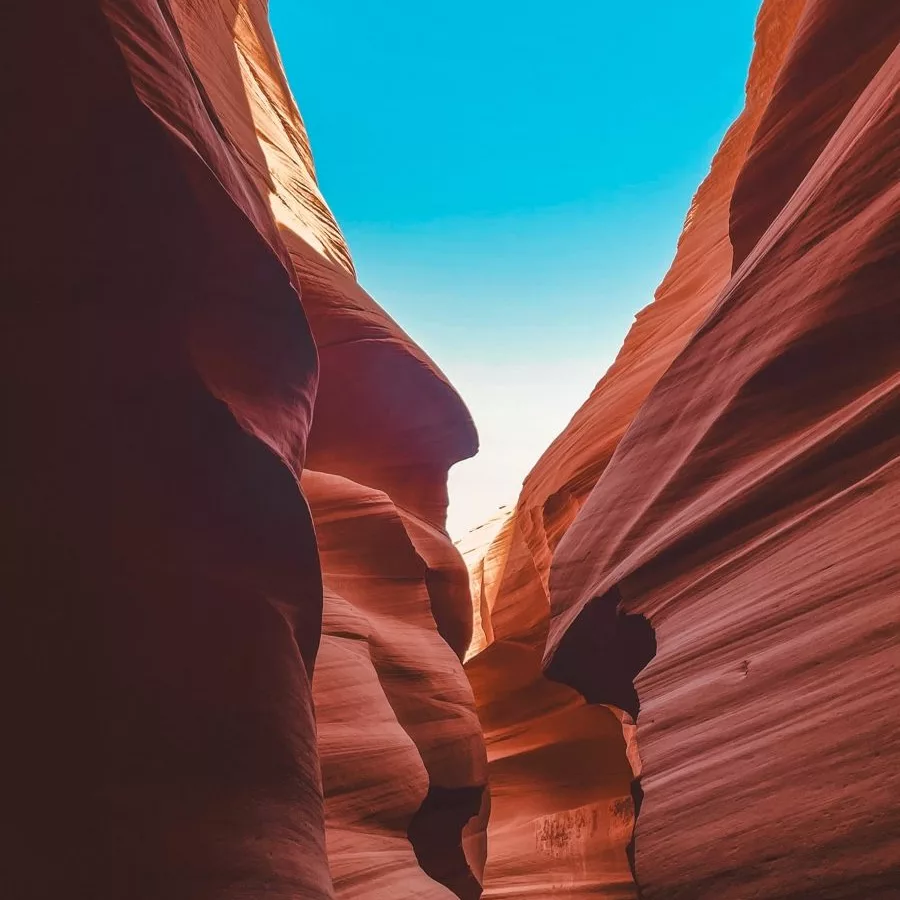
[836, 51]
[403, 771]
[512, 580]
[402, 755]
[670, 521]
[722, 513]
[749, 518]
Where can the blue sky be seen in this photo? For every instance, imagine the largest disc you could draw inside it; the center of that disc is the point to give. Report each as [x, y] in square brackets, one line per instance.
[512, 178]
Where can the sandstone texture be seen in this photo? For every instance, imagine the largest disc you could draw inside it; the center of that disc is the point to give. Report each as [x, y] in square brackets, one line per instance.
[718, 522]
[179, 301]
[245, 659]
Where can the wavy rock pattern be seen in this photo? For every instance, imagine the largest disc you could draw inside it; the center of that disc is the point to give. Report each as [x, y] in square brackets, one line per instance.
[558, 770]
[227, 465]
[651, 506]
[165, 377]
[559, 735]
[750, 514]
[399, 794]
[164, 581]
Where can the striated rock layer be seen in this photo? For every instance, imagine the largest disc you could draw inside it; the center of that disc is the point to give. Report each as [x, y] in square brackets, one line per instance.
[166, 584]
[723, 505]
[542, 744]
[750, 515]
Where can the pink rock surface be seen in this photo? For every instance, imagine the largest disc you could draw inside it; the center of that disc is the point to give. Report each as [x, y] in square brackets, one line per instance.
[749, 518]
[227, 464]
[399, 786]
[511, 579]
[163, 575]
[402, 755]
[739, 696]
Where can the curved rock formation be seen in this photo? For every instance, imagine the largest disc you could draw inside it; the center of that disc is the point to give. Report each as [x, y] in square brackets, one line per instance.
[166, 570]
[164, 580]
[654, 562]
[560, 734]
[402, 767]
[561, 811]
[227, 465]
[837, 49]
[750, 514]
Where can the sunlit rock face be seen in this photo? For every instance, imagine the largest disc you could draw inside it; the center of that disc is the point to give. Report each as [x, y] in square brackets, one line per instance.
[561, 810]
[551, 753]
[721, 520]
[751, 515]
[181, 300]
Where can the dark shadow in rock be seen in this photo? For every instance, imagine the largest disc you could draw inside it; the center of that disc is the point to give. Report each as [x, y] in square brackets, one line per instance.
[602, 653]
[637, 796]
[435, 833]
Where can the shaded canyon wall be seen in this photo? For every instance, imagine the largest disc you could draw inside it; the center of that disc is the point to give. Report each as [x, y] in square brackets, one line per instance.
[221, 448]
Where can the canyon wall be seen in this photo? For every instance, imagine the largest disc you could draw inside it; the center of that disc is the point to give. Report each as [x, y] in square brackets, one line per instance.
[718, 522]
[220, 449]
[226, 490]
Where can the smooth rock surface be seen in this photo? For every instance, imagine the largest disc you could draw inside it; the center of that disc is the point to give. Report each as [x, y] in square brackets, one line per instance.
[387, 426]
[163, 577]
[402, 757]
[749, 517]
[613, 500]
[163, 374]
[534, 745]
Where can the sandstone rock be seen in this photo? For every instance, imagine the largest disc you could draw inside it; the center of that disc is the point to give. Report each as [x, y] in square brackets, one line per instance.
[164, 580]
[189, 359]
[402, 757]
[512, 579]
[166, 571]
[749, 519]
[738, 411]
[387, 427]
[836, 51]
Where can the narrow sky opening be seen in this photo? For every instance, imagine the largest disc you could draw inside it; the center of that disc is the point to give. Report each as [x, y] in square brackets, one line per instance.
[512, 178]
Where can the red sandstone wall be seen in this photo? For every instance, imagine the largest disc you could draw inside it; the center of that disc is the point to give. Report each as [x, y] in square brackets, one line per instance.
[759, 539]
[535, 747]
[163, 575]
[816, 331]
[165, 376]
[403, 771]
[721, 512]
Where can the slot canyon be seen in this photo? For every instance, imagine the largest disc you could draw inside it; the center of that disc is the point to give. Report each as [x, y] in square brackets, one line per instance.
[246, 659]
